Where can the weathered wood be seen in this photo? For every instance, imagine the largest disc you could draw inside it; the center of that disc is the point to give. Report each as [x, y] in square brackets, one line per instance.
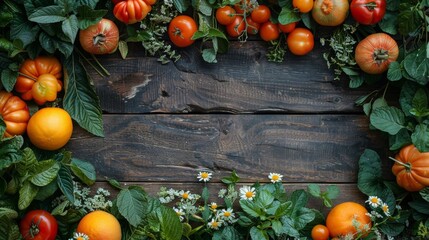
[348, 192]
[242, 81]
[174, 148]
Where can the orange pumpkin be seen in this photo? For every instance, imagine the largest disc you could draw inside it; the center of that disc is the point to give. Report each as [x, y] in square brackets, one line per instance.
[15, 114]
[411, 168]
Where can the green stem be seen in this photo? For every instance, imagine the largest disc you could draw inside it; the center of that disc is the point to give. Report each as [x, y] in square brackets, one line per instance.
[27, 76]
[90, 63]
[100, 65]
[407, 166]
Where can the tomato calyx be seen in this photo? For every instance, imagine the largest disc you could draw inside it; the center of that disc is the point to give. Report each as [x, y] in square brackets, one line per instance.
[380, 56]
[327, 6]
[371, 5]
[34, 229]
[178, 32]
[99, 39]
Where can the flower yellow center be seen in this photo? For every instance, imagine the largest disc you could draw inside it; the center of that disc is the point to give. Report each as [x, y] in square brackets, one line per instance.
[385, 208]
[185, 196]
[80, 238]
[226, 214]
[275, 177]
[213, 206]
[204, 175]
[249, 194]
[374, 200]
[215, 224]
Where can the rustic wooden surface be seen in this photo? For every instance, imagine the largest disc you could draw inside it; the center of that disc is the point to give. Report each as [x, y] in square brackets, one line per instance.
[165, 123]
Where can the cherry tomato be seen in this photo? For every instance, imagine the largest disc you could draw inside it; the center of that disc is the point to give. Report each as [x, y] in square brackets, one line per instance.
[261, 14]
[269, 31]
[236, 28]
[100, 38]
[181, 29]
[304, 6]
[300, 41]
[368, 12]
[225, 15]
[287, 28]
[38, 225]
[320, 232]
[252, 26]
[243, 6]
[131, 11]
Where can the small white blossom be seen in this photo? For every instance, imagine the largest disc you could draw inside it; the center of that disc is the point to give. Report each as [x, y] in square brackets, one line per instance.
[374, 201]
[275, 177]
[79, 236]
[215, 224]
[213, 206]
[180, 213]
[247, 193]
[385, 209]
[204, 176]
[227, 214]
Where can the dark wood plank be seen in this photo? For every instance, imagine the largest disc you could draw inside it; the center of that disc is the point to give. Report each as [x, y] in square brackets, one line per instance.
[348, 192]
[242, 81]
[174, 148]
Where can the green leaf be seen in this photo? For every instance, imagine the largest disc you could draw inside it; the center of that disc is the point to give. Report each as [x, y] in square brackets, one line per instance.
[87, 16]
[181, 5]
[258, 234]
[299, 199]
[9, 213]
[394, 73]
[205, 194]
[264, 199]
[28, 161]
[303, 217]
[10, 152]
[65, 183]
[356, 81]
[399, 140]
[91, 3]
[249, 208]
[230, 233]
[123, 49]
[85, 171]
[44, 172]
[48, 14]
[388, 119]
[47, 42]
[332, 192]
[406, 97]
[204, 7]
[27, 193]
[233, 179]
[24, 30]
[209, 55]
[8, 79]
[70, 28]
[388, 23]
[314, 190]
[171, 228]
[379, 102]
[131, 203]
[81, 100]
[285, 208]
[289, 227]
[408, 21]
[392, 229]
[416, 64]
[47, 191]
[216, 33]
[287, 15]
[420, 137]
[277, 227]
[424, 193]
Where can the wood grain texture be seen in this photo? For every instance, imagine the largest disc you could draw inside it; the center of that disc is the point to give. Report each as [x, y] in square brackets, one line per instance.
[242, 81]
[174, 148]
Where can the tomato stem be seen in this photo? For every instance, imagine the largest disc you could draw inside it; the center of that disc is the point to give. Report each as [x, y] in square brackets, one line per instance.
[380, 56]
[28, 76]
[371, 6]
[407, 166]
[327, 7]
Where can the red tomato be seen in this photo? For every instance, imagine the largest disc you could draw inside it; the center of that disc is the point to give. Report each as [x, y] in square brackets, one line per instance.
[252, 26]
[243, 6]
[287, 28]
[38, 225]
[261, 14]
[131, 11]
[100, 38]
[236, 28]
[375, 52]
[300, 41]
[368, 12]
[269, 31]
[304, 6]
[225, 15]
[181, 29]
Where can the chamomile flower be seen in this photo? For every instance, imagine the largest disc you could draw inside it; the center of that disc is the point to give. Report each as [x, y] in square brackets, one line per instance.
[214, 224]
[275, 177]
[79, 236]
[227, 214]
[213, 206]
[180, 213]
[185, 195]
[247, 193]
[385, 209]
[374, 201]
[204, 176]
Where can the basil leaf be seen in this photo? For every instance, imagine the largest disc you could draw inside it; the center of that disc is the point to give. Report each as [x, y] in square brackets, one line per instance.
[388, 119]
[48, 14]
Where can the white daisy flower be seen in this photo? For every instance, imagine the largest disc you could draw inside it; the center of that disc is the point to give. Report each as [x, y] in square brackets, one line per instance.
[213, 206]
[227, 214]
[204, 176]
[247, 193]
[275, 177]
[185, 195]
[385, 209]
[374, 201]
[180, 213]
[214, 224]
[80, 236]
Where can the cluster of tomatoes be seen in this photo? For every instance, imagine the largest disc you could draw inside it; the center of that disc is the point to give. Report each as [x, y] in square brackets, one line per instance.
[49, 128]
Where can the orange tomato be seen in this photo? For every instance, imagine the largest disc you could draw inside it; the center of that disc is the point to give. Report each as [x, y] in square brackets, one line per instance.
[132, 11]
[50, 128]
[330, 12]
[31, 72]
[304, 6]
[225, 15]
[269, 31]
[300, 41]
[261, 14]
[287, 28]
[237, 27]
[14, 112]
[320, 232]
[100, 225]
[341, 217]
